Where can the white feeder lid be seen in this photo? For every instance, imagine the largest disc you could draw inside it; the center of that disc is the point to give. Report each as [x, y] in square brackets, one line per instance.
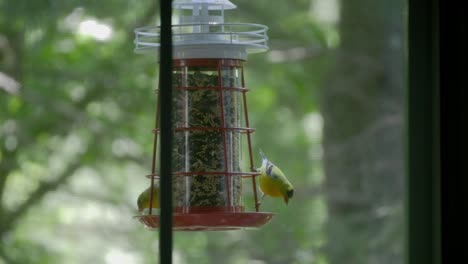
[203, 34]
[212, 4]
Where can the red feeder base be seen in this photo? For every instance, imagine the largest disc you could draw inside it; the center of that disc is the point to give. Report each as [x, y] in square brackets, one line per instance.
[218, 221]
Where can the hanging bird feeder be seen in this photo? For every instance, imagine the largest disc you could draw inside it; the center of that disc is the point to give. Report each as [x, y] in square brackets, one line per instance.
[210, 118]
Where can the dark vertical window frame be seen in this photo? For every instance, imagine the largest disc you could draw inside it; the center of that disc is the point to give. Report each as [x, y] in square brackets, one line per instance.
[423, 133]
[453, 106]
[165, 86]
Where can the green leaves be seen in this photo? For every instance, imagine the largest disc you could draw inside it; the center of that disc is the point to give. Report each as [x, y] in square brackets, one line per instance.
[91, 103]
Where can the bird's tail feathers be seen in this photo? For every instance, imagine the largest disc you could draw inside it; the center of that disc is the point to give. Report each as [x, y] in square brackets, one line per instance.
[264, 158]
[263, 155]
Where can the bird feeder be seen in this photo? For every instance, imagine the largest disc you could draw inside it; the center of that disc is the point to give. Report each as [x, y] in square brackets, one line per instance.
[210, 118]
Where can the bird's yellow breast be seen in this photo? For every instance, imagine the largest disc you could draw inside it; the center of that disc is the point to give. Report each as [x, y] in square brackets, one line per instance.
[270, 186]
[155, 203]
[144, 199]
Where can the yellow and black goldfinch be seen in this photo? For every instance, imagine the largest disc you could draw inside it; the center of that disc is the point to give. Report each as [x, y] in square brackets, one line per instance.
[273, 182]
[144, 198]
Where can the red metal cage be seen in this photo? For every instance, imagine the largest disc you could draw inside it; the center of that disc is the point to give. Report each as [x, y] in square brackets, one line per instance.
[210, 118]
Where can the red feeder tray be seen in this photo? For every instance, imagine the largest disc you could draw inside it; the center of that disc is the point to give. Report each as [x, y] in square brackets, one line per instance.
[216, 221]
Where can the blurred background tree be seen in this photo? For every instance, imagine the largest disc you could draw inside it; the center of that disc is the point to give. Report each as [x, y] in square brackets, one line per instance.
[76, 112]
[363, 110]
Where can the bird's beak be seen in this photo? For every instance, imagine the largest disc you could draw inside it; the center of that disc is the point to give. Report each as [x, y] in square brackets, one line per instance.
[286, 199]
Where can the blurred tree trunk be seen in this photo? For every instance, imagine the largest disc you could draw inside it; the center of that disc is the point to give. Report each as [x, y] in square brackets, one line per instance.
[362, 105]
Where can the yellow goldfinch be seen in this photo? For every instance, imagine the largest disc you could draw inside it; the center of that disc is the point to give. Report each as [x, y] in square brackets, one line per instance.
[144, 198]
[273, 182]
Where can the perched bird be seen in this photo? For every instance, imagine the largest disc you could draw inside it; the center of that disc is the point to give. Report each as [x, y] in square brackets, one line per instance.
[144, 198]
[273, 182]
